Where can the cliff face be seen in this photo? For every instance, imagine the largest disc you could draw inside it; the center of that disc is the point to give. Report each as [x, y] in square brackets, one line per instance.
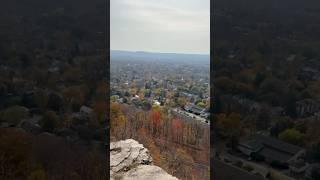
[129, 160]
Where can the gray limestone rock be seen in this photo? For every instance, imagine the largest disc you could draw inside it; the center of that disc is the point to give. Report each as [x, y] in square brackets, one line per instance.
[129, 160]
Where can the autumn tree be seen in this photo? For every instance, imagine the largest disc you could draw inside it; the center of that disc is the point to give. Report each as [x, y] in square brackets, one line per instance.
[75, 96]
[230, 126]
[15, 145]
[181, 161]
[156, 121]
[99, 107]
[117, 121]
[177, 128]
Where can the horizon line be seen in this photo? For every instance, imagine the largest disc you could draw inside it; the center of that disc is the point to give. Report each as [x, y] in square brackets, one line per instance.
[135, 51]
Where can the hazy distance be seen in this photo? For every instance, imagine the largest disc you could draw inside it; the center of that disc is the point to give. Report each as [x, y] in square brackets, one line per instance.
[179, 26]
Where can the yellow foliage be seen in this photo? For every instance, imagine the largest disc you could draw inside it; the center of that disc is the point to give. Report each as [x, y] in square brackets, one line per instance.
[37, 175]
[99, 108]
[118, 119]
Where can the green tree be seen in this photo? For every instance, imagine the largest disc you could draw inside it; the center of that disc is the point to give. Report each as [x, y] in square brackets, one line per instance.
[281, 124]
[201, 104]
[292, 136]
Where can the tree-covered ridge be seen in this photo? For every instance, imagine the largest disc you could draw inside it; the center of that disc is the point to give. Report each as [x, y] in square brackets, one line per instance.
[266, 74]
[52, 90]
[179, 146]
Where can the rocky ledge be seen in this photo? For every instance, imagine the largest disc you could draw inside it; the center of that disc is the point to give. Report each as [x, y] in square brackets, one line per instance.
[129, 160]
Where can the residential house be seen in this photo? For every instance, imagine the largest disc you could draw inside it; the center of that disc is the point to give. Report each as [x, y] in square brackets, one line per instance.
[271, 149]
[307, 107]
[194, 109]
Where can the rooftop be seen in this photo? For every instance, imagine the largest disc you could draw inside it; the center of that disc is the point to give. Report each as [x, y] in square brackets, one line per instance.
[273, 148]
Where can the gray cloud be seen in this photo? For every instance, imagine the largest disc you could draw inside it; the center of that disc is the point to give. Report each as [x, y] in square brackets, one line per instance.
[180, 26]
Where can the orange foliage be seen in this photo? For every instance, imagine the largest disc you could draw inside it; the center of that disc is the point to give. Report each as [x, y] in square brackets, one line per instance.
[156, 117]
[114, 108]
[142, 131]
[170, 141]
[117, 119]
[177, 124]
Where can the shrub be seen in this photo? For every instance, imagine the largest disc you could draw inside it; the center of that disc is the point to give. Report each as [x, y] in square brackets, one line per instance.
[292, 136]
[14, 114]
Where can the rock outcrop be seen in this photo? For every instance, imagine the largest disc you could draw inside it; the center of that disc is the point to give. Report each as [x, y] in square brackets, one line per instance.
[129, 160]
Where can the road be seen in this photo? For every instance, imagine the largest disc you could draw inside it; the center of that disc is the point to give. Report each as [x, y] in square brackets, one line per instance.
[191, 116]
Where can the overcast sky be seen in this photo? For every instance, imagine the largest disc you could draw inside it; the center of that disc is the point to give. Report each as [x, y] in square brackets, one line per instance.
[176, 26]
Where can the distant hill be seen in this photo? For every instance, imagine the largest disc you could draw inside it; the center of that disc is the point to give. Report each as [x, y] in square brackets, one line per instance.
[151, 56]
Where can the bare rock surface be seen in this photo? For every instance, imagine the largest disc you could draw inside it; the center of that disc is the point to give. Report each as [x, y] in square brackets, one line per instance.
[129, 160]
